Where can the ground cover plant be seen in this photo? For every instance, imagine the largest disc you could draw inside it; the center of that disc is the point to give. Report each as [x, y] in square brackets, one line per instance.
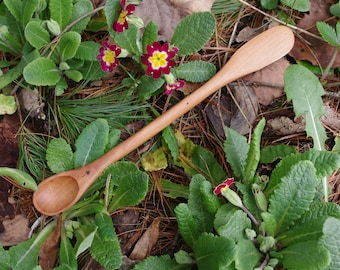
[79, 76]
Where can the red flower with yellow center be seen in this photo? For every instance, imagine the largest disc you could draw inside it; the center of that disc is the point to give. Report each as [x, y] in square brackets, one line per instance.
[108, 56]
[158, 59]
[121, 24]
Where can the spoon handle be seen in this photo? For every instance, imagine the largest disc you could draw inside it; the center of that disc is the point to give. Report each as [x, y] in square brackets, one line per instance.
[257, 53]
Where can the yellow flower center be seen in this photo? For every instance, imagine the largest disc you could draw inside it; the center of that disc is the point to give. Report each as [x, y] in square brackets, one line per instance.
[122, 17]
[109, 57]
[158, 60]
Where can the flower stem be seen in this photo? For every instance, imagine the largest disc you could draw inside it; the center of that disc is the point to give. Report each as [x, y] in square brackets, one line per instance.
[250, 215]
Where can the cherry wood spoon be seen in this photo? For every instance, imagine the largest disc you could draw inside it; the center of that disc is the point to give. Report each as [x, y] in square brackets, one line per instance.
[59, 192]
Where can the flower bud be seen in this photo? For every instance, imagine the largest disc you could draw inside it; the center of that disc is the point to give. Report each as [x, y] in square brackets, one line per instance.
[260, 198]
[53, 27]
[232, 196]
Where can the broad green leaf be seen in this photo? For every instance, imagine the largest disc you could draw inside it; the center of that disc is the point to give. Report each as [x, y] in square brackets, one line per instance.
[214, 252]
[15, 7]
[59, 155]
[74, 75]
[269, 224]
[169, 138]
[37, 35]
[60, 87]
[128, 39]
[84, 235]
[300, 5]
[247, 255]
[150, 35]
[130, 184]
[335, 10]
[210, 201]
[5, 259]
[91, 143]
[19, 178]
[105, 227]
[319, 210]
[41, 72]
[162, 262]
[231, 222]
[81, 8]
[195, 71]
[61, 11]
[271, 153]
[87, 50]
[294, 194]
[114, 138]
[328, 33]
[7, 104]
[154, 160]
[193, 32]
[331, 240]
[186, 224]
[28, 9]
[236, 149]
[305, 256]
[253, 155]
[68, 45]
[269, 4]
[305, 90]
[112, 10]
[149, 86]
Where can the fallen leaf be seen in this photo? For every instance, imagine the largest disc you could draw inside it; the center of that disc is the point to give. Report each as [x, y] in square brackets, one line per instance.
[331, 117]
[285, 126]
[15, 231]
[245, 34]
[50, 247]
[146, 243]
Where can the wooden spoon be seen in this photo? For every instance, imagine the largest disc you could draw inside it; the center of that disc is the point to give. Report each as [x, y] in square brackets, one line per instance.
[59, 192]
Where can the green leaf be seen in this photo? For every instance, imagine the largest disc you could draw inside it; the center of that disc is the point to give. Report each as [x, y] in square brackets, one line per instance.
[150, 35]
[28, 9]
[253, 155]
[169, 138]
[154, 160]
[210, 201]
[8, 104]
[59, 155]
[87, 50]
[148, 86]
[114, 138]
[328, 33]
[305, 256]
[294, 194]
[319, 210]
[90, 145]
[66, 252]
[105, 227]
[236, 149]
[173, 190]
[193, 32]
[81, 8]
[128, 39]
[41, 72]
[305, 90]
[37, 35]
[15, 8]
[214, 252]
[112, 10]
[269, 224]
[271, 153]
[231, 222]
[269, 4]
[19, 177]
[85, 235]
[60, 87]
[247, 255]
[331, 240]
[162, 262]
[195, 71]
[74, 75]
[335, 10]
[61, 11]
[68, 45]
[300, 5]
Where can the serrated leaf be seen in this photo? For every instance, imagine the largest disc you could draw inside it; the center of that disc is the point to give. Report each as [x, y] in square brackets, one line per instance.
[161, 262]
[90, 145]
[306, 96]
[68, 45]
[214, 252]
[36, 35]
[150, 35]
[253, 155]
[81, 8]
[186, 224]
[169, 138]
[87, 50]
[331, 240]
[247, 255]
[105, 227]
[236, 149]
[269, 224]
[231, 222]
[128, 39]
[19, 177]
[328, 33]
[195, 71]
[41, 72]
[61, 11]
[59, 155]
[149, 86]
[300, 5]
[319, 210]
[193, 32]
[271, 153]
[305, 256]
[210, 201]
[294, 194]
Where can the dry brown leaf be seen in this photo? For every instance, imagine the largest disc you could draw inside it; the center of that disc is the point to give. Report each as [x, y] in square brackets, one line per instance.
[317, 51]
[268, 82]
[285, 126]
[50, 247]
[146, 243]
[15, 231]
[331, 118]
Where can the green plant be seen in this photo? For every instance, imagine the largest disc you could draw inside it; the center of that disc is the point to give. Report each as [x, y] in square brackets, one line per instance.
[300, 5]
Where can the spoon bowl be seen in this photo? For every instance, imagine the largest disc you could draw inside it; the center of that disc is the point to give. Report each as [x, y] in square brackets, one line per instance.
[59, 192]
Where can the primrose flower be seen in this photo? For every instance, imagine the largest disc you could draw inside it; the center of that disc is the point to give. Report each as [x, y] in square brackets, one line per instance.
[108, 56]
[121, 24]
[169, 88]
[228, 193]
[158, 59]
